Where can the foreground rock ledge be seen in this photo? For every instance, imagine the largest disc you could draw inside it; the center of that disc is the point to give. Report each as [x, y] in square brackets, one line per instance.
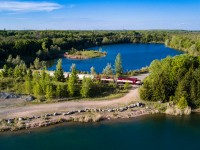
[174, 110]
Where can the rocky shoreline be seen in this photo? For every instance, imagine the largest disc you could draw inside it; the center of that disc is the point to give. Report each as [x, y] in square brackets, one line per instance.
[5, 95]
[83, 115]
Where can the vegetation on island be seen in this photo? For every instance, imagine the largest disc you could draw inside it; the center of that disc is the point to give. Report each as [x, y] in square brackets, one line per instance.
[84, 54]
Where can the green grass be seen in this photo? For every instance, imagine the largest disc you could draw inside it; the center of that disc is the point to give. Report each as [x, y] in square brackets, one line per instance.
[90, 54]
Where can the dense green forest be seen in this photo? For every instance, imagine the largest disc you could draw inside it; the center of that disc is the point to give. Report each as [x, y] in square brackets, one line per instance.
[50, 44]
[174, 79]
[45, 45]
[189, 43]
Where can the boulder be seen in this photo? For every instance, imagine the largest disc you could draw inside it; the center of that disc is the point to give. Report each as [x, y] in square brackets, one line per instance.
[29, 98]
[5, 95]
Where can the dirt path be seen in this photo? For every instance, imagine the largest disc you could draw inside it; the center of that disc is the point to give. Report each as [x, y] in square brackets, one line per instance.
[32, 110]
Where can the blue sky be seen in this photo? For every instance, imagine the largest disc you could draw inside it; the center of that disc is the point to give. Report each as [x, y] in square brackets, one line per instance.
[100, 14]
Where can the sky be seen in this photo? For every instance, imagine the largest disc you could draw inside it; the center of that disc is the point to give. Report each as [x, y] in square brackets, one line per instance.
[99, 14]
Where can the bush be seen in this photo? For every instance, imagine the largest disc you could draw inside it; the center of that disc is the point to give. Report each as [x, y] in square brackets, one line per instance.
[182, 103]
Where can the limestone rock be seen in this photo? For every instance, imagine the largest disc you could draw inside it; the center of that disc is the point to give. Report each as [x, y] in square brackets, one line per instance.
[173, 110]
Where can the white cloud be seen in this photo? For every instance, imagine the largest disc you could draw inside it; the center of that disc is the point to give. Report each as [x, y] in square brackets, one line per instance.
[16, 6]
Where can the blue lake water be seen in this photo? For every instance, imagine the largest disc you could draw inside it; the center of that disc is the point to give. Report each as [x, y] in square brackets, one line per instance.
[157, 132]
[134, 56]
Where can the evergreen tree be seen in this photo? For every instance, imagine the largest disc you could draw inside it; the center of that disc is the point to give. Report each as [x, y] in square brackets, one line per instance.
[43, 75]
[108, 70]
[29, 74]
[118, 65]
[194, 93]
[47, 78]
[86, 87]
[28, 85]
[92, 71]
[5, 71]
[23, 69]
[73, 78]
[37, 90]
[44, 65]
[17, 72]
[49, 92]
[9, 60]
[59, 73]
[36, 76]
[10, 72]
[74, 73]
[36, 63]
[58, 91]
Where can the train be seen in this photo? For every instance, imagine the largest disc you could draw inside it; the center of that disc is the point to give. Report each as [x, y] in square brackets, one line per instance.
[121, 80]
[104, 79]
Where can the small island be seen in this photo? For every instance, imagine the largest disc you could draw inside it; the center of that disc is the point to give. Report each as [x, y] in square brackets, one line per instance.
[84, 54]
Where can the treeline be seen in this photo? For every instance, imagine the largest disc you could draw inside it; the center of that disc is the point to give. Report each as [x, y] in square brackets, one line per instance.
[189, 43]
[41, 85]
[174, 79]
[48, 44]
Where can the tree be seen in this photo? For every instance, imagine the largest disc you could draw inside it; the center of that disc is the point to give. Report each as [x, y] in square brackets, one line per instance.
[108, 70]
[86, 87]
[10, 72]
[39, 53]
[17, 72]
[92, 70]
[29, 74]
[49, 92]
[5, 71]
[118, 65]
[105, 40]
[9, 60]
[47, 42]
[28, 85]
[194, 93]
[59, 73]
[37, 90]
[58, 91]
[71, 86]
[43, 75]
[36, 63]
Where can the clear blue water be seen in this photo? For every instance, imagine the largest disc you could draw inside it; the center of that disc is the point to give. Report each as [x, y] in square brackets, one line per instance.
[134, 56]
[158, 132]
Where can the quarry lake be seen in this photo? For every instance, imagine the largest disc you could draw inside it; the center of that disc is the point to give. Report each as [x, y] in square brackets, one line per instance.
[154, 132]
[134, 56]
